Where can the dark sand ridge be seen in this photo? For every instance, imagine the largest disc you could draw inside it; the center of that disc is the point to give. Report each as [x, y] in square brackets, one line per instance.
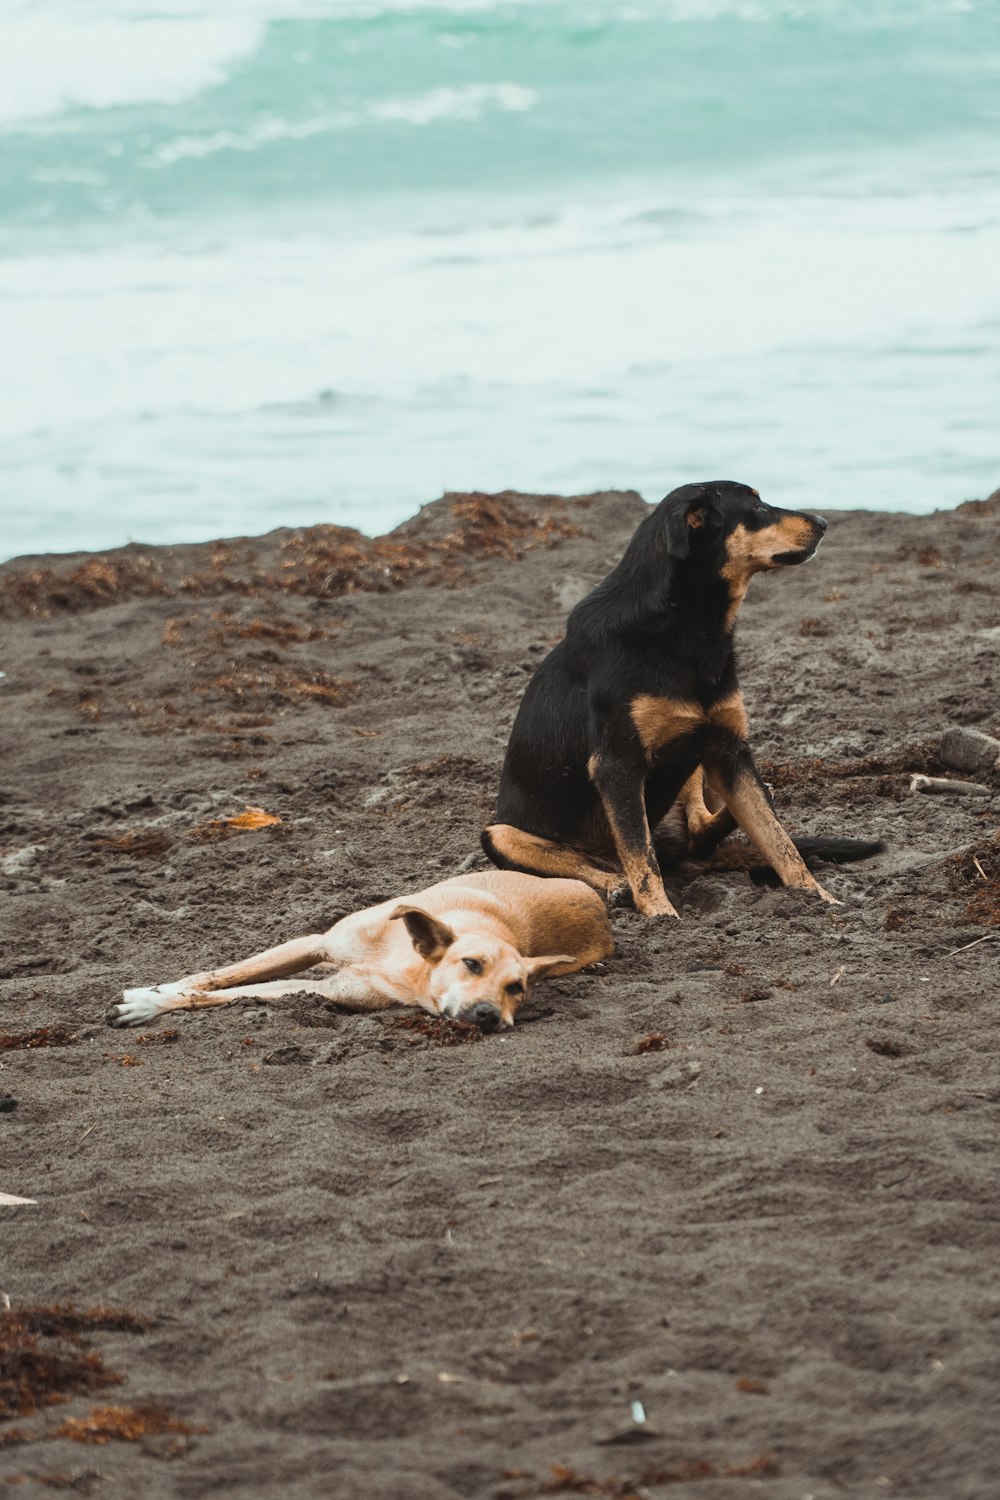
[374, 1266]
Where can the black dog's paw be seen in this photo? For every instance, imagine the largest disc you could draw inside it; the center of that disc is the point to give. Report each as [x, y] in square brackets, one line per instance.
[620, 897]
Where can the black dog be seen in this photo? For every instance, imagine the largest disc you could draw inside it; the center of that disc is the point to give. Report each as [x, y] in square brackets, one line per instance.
[638, 707]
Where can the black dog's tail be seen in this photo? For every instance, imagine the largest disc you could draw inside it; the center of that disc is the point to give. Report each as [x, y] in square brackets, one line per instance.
[838, 851]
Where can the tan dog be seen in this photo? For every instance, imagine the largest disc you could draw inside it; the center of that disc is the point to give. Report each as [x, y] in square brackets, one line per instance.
[467, 948]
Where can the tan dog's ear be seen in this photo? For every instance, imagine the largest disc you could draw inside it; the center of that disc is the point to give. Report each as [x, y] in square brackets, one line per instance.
[552, 963]
[429, 936]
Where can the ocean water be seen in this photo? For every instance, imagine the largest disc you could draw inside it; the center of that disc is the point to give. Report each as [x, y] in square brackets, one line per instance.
[273, 262]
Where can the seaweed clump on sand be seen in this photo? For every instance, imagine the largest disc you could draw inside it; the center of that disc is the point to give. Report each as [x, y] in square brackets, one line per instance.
[975, 874]
[98, 580]
[319, 562]
[57, 1035]
[45, 1355]
[878, 775]
[565, 1480]
[439, 1030]
[125, 1424]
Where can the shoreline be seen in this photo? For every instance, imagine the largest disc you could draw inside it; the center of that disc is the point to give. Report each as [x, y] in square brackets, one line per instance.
[473, 524]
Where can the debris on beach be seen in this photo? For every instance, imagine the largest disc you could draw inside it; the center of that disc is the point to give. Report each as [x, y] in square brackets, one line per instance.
[965, 749]
[244, 822]
[57, 1035]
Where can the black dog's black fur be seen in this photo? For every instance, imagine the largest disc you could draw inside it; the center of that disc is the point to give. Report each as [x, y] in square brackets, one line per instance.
[641, 696]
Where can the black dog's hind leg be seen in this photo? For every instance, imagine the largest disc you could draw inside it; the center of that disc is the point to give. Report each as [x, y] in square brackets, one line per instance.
[511, 848]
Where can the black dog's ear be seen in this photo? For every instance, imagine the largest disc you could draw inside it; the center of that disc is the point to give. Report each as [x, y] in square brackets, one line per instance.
[430, 937]
[685, 519]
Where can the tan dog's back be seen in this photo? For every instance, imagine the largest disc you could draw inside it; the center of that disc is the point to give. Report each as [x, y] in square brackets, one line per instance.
[543, 915]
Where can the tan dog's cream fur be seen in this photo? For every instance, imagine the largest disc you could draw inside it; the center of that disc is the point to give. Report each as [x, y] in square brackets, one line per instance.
[466, 948]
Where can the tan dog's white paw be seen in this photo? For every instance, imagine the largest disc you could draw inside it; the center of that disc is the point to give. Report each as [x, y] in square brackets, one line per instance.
[136, 1007]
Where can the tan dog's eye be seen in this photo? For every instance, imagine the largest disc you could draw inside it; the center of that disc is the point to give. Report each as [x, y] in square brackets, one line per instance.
[474, 965]
[514, 988]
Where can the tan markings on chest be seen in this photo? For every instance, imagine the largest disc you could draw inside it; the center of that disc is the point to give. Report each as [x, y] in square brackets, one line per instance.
[730, 714]
[659, 721]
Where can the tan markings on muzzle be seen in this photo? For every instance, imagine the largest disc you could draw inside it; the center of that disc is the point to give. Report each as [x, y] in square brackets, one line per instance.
[749, 552]
[797, 534]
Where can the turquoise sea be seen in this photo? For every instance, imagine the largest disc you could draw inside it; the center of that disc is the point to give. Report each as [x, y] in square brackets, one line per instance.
[272, 262]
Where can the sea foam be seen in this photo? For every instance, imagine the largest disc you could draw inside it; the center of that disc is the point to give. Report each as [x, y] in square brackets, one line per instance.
[466, 102]
[50, 64]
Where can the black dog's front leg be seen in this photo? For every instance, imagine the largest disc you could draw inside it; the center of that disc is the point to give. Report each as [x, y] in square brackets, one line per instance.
[620, 782]
[732, 774]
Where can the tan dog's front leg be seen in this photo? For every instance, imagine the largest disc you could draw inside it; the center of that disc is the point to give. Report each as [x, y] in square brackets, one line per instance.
[141, 1005]
[348, 988]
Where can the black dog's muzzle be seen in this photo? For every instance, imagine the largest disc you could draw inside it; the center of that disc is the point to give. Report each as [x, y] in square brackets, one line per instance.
[790, 559]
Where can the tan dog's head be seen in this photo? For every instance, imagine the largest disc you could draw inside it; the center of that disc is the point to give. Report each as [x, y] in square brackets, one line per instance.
[474, 976]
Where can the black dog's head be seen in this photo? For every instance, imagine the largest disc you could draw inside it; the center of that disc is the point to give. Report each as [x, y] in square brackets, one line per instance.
[729, 529]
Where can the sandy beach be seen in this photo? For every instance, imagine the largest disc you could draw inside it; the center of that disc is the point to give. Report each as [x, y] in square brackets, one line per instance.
[740, 1182]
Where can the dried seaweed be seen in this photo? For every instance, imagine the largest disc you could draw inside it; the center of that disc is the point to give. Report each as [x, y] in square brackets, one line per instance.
[142, 843]
[975, 874]
[654, 1042]
[754, 997]
[748, 1385]
[683, 1471]
[883, 775]
[63, 1320]
[318, 561]
[45, 1357]
[885, 1046]
[440, 1030]
[44, 591]
[988, 507]
[56, 1035]
[260, 689]
[124, 1424]
[277, 630]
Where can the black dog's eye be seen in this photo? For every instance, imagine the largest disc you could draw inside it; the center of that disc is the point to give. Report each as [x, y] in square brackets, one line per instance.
[474, 965]
[514, 988]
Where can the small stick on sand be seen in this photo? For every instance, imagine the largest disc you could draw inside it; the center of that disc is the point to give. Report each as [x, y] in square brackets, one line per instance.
[944, 784]
[838, 976]
[990, 937]
[979, 867]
